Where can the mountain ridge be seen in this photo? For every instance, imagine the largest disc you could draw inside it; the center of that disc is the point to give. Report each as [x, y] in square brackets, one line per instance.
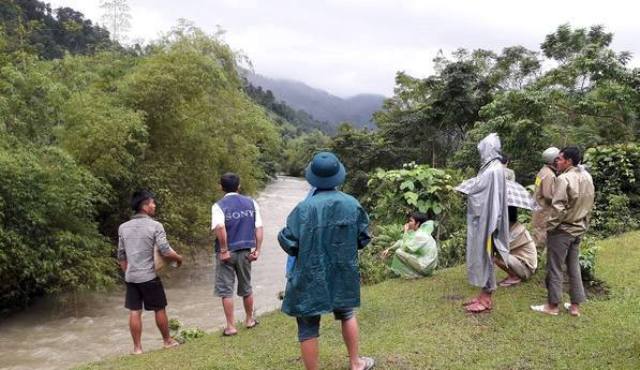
[322, 105]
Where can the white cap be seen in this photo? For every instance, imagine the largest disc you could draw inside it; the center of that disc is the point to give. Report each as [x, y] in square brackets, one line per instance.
[550, 155]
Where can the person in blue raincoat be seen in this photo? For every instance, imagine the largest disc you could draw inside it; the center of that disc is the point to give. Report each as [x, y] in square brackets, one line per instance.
[324, 232]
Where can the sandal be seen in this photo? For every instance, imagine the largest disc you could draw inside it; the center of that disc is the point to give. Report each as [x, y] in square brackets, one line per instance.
[369, 363]
[508, 282]
[478, 307]
[255, 323]
[227, 334]
[543, 309]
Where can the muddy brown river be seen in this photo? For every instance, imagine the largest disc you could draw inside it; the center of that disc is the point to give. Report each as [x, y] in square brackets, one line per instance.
[58, 334]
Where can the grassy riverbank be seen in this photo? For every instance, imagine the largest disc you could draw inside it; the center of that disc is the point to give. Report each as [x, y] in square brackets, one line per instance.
[420, 325]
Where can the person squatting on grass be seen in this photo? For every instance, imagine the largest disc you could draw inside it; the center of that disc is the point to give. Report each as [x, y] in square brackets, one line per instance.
[416, 254]
[523, 256]
[237, 224]
[136, 240]
[572, 203]
[324, 232]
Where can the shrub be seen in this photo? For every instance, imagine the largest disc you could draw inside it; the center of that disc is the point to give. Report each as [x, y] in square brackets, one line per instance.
[615, 170]
[393, 194]
[184, 335]
[48, 239]
[453, 251]
[373, 268]
[588, 253]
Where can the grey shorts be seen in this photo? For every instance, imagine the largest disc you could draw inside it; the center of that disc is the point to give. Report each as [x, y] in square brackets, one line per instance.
[226, 273]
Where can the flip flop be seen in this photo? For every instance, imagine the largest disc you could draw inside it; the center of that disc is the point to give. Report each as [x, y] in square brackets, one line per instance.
[478, 307]
[507, 283]
[369, 363]
[567, 306]
[255, 323]
[226, 334]
[541, 308]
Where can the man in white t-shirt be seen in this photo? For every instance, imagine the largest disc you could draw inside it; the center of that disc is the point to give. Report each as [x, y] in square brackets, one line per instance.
[236, 221]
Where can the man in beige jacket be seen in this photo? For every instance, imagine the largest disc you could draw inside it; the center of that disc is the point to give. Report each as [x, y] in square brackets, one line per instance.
[543, 194]
[572, 203]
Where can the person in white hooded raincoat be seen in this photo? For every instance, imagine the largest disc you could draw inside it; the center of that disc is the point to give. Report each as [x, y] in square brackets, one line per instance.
[487, 222]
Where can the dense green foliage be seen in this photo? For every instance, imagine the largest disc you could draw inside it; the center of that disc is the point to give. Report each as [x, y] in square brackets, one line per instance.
[615, 170]
[373, 267]
[299, 150]
[393, 194]
[34, 28]
[588, 97]
[48, 237]
[80, 133]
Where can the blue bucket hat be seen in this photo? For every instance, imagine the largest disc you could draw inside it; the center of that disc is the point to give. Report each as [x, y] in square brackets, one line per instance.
[325, 171]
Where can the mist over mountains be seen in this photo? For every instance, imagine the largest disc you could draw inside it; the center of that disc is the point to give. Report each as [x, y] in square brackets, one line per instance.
[319, 103]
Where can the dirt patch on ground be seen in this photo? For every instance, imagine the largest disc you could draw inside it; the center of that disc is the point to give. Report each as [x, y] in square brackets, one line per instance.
[597, 290]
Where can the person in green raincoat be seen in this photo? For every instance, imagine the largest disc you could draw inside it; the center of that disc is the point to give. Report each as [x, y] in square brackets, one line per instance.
[324, 233]
[416, 254]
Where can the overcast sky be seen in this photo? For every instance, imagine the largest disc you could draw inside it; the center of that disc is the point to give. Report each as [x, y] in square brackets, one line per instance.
[349, 47]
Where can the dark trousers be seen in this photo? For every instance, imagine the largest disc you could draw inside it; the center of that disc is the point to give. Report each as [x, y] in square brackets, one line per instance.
[563, 248]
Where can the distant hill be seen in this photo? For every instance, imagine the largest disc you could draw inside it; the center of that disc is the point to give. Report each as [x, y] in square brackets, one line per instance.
[319, 103]
[294, 121]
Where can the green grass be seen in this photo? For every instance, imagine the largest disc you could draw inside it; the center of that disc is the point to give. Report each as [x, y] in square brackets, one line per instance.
[420, 325]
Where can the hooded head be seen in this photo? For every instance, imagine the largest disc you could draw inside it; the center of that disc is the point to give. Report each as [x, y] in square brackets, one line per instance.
[489, 148]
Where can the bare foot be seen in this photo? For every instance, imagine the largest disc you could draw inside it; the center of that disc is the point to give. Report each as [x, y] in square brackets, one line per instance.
[478, 307]
[510, 281]
[137, 351]
[170, 343]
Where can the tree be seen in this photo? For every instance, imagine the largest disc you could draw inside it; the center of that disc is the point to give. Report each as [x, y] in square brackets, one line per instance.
[30, 26]
[117, 18]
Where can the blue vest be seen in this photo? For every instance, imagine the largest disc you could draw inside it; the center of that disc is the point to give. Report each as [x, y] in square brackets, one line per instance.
[239, 221]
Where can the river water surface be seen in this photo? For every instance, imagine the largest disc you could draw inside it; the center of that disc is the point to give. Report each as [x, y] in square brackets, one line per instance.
[55, 335]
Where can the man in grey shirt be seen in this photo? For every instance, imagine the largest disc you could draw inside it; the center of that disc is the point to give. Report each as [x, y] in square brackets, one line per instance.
[136, 240]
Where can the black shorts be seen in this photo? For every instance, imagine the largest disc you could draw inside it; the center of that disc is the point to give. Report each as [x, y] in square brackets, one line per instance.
[151, 293]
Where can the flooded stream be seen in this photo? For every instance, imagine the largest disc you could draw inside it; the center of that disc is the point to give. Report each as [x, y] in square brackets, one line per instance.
[56, 335]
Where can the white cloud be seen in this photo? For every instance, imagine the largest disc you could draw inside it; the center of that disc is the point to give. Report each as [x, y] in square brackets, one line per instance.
[354, 46]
